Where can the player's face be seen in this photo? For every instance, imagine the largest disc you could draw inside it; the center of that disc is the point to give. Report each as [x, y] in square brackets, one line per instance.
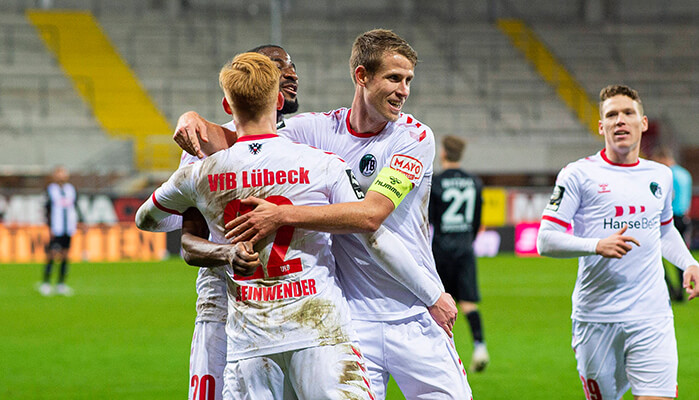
[622, 124]
[288, 81]
[389, 88]
[61, 175]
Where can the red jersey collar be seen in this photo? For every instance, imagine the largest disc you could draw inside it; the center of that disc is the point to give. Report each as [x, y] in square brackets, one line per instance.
[261, 136]
[603, 153]
[357, 134]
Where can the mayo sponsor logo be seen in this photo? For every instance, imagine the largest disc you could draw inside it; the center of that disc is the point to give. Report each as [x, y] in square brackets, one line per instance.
[409, 166]
[256, 178]
[287, 290]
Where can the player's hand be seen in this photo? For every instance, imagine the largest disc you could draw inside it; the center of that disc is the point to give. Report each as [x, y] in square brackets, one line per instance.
[190, 129]
[690, 282]
[444, 312]
[243, 259]
[616, 245]
[263, 220]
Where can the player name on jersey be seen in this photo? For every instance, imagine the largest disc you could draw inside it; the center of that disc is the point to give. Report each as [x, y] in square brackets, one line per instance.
[256, 178]
[302, 288]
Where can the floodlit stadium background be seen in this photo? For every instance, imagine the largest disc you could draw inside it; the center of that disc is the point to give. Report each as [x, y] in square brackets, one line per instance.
[97, 86]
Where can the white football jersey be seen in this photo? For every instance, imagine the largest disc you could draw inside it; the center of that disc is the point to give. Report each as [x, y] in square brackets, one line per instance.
[598, 198]
[63, 215]
[212, 300]
[407, 146]
[293, 301]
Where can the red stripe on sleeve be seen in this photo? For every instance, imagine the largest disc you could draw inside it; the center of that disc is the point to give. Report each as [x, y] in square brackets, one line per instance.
[556, 220]
[666, 222]
[163, 208]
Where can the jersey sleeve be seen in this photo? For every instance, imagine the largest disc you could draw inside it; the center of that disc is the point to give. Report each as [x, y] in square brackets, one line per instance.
[674, 249]
[413, 155]
[343, 185]
[552, 240]
[565, 199]
[161, 212]
[177, 194]
[477, 217]
[304, 128]
[667, 214]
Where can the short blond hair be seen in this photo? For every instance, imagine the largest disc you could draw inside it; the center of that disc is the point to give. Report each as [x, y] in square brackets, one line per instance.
[250, 82]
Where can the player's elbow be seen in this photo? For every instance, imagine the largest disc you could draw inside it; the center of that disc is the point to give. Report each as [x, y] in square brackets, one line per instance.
[145, 221]
[542, 246]
[188, 257]
[372, 224]
[141, 219]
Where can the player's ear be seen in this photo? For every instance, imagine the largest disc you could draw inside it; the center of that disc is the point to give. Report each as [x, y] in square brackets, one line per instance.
[361, 75]
[226, 107]
[644, 124]
[280, 101]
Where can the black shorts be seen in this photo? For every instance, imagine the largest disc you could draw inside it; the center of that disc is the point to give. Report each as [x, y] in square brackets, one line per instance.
[456, 266]
[59, 243]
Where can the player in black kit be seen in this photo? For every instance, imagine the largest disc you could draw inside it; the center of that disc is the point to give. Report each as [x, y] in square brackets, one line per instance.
[455, 214]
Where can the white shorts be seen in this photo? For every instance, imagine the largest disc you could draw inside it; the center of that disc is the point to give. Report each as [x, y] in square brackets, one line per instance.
[207, 361]
[418, 354]
[615, 356]
[316, 373]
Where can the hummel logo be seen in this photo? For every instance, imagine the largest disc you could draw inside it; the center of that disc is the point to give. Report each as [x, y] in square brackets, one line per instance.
[604, 188]
[394, 181]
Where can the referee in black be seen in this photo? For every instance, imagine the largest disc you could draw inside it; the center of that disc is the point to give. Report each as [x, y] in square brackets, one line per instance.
[455, 214]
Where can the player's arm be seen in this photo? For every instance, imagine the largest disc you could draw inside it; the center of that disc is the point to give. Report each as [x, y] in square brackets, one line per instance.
[388, 190]
[199, 137]
[172, 198]
[394, 258]
[676, 252]
[200, 252]
[151, 218]
[553, 241]
[478, 209]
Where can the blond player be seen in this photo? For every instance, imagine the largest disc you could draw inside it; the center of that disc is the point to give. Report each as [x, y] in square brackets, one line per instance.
[208, 349]
[288, 324]
[620, 208]
[391, 154]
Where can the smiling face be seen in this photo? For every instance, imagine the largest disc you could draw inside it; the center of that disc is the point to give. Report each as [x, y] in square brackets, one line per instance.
[386, 90]
[288, 81]
[622, 126]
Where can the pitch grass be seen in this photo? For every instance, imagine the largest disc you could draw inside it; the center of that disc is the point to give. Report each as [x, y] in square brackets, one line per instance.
[126, 332]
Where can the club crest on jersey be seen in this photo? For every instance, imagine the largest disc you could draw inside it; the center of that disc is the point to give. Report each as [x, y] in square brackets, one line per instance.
[655, 189]
[409, 166]
[556, 197]
[367, 165]
[255, 148]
